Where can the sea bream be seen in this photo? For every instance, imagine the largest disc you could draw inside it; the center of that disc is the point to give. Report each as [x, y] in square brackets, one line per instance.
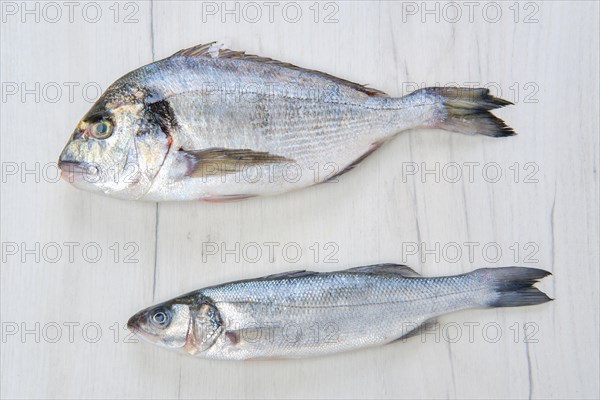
[302, 314]
[215, 124]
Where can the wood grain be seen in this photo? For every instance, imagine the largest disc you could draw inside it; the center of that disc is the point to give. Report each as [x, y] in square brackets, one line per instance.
[377, 213]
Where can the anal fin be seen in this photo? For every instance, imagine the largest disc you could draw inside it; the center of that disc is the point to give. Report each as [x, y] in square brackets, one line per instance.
[354, 163]
[427, 326]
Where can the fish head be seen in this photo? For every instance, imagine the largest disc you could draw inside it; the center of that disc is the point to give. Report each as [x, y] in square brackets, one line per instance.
[165, 324]
[184, 324]
[118, 146]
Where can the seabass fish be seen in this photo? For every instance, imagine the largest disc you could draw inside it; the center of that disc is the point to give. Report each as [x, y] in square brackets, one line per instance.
[214, 124]
[301, 314]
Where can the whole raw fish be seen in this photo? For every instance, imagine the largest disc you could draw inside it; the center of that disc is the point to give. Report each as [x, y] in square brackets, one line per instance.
[214, 124]
[301, 314]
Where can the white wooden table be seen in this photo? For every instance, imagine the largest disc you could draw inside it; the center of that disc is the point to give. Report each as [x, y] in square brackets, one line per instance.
[63, 314]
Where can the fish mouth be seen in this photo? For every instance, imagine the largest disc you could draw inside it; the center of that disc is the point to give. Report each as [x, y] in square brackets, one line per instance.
[70, 170]
[133, 323]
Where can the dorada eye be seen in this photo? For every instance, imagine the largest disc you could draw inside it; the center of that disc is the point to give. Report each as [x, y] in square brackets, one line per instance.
[101, 129]
[161, 317]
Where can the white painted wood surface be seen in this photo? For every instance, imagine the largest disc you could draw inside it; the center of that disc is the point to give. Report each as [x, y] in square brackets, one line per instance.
[376, 213]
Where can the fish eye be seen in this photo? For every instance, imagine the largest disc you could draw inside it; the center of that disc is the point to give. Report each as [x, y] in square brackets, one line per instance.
[101, 129]
[161, 317]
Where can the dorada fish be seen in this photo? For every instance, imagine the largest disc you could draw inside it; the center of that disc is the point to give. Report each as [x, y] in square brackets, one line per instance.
[301, 313]
[215, 124]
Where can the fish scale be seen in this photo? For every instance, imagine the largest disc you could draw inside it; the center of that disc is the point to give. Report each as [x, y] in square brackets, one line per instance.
[301, 314]
[191, 125]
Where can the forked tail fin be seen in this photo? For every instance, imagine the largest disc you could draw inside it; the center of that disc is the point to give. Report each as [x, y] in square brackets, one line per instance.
[466, 110]
[511, 286]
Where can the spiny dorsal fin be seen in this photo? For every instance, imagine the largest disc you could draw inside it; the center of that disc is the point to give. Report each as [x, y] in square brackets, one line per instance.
[377, 269]
[386, 269]
[220, 161]
[290, 274]
[214, 50]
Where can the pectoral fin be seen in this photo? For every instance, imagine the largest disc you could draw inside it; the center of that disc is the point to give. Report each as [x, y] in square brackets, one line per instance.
[252, 334]
[220, 161]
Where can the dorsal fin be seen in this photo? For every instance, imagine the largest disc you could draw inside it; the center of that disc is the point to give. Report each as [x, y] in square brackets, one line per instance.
[290, 274]
[386, 269]
[377, 269]
[214, 50]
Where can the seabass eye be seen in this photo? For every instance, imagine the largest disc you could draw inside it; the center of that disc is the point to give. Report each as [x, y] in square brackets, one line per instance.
[101, 129]
[161, 317]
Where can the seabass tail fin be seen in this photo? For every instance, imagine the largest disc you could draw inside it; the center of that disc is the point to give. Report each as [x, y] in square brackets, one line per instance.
[512, 286]
[466, 110]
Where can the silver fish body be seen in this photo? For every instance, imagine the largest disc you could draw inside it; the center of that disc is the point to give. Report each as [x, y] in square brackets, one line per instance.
[302, 314]
[216, 125]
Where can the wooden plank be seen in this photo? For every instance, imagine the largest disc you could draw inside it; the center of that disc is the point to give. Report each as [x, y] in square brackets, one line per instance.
[542, 211]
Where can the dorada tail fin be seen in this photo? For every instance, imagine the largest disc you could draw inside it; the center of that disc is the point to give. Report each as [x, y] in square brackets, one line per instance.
[467, 110]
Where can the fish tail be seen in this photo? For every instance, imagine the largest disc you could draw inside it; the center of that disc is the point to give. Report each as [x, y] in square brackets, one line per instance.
[511, 286]
[465, 110]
